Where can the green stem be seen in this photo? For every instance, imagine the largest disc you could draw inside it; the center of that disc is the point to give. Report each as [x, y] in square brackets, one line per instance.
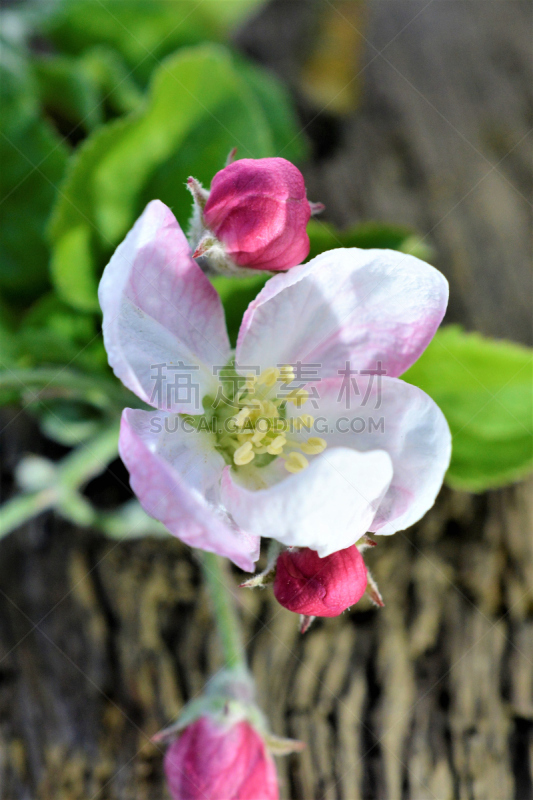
[20, 509]
[90, 458]
[96, 389]
[76, 469]
[217, 577]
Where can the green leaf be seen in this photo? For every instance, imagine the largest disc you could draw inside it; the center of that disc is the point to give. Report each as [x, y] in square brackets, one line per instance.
[53, 333]
[84, 91]
[33, 160]
[324, 236]
[72, 266]
[485, 389]
[67, 422]
[236, 295]
[142, 31]
[105, 67]
[197, 109]
[276, 103]
[67, 93]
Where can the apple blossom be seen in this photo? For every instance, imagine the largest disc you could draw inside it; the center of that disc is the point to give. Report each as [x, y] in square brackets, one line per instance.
[319, 587]
[254, 216]
[227, 457]
[212, 760]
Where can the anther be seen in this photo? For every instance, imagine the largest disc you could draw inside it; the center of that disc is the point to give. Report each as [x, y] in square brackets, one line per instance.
[244, 454]
[298, 397]
[275, 448]
[313, 446]
[295, 462]
[269, 409]
[241, 417]
[269, 376]
[304, 421]
[286, 373]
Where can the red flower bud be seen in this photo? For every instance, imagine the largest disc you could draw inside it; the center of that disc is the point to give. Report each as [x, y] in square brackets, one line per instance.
[220, 762]
[258, 210]
[319, 587]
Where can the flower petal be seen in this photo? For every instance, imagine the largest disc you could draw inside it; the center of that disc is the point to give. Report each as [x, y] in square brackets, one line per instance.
[326, 507]
[391, 415]
[172, 472]
[161, 311]
[361, 306]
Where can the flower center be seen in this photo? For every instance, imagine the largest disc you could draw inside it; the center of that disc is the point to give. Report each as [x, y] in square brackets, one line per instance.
[251, 422]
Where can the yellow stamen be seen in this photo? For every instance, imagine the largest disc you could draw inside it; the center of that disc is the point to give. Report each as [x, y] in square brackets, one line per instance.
[244, 454]
[287, 373]
[258, 436]
[270, 409]
[242, 416]
[298, 397]
[258, 425]
[304, 421]
[269, 377]
[313, 446]
[275, 448]
[262, 425]
[296, 462]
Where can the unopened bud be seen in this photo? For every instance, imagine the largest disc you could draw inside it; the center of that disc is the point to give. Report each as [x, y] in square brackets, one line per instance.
[254, 216]
[320, 587]
[213, 761]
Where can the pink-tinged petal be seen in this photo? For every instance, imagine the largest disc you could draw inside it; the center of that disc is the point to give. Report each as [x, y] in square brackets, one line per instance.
[366, 307]
[172, 472]
[391, 415]
[327, 507]
[160, 309]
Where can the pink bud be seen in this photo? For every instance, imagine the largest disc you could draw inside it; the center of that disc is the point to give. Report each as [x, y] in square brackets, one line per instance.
[220, 762]
[258, 210]
[319, 587]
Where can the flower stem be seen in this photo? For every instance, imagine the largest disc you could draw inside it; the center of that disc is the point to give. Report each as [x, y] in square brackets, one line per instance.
[18, 510]
[217, 578]
[76, 469]
[97, 390]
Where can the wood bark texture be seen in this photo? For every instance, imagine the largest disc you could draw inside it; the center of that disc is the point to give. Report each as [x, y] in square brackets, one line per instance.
[430, 698]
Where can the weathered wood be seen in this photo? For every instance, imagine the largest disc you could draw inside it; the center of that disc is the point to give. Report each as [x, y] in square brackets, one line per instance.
[441, 141]
[430, 697]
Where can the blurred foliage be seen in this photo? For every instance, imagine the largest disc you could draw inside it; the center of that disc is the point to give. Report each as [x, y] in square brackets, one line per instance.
[143, 32]
[485, 389]
[83, 92]
[367, 235]
[33, 159]
[107, 104]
